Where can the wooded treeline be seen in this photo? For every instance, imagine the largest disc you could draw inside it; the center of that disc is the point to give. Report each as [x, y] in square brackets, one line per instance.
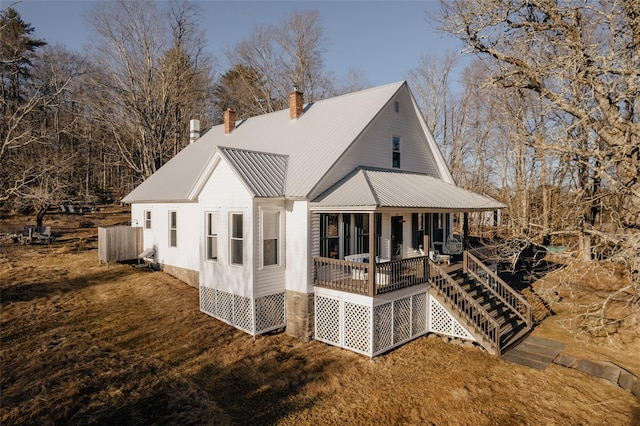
[544, 118]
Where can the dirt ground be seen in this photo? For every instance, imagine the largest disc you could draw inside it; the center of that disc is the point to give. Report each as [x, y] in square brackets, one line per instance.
[84, 343]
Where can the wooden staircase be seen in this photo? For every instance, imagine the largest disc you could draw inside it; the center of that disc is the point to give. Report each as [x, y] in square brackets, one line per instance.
[495, 314]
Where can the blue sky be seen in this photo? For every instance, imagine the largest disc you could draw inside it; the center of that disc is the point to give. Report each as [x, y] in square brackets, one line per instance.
[383, 39]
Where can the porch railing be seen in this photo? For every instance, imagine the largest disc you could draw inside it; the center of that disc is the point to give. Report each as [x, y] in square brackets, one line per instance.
[353, 277]
[490, 280]
[483, 323]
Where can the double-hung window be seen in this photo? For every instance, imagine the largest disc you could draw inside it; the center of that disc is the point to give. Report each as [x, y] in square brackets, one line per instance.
[237, 252]
[270, 234]
[147, 219]
[211, 242]
[173, 228]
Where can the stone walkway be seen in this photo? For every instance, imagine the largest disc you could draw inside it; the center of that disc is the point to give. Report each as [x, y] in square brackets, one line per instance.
[537, 352]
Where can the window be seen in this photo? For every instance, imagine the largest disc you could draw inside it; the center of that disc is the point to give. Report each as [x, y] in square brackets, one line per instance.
[397, 106]
[147, 219]
[329, 238]
[270, 232]
[395, 147]
[236, 239]
[173, 229]
[211, 242]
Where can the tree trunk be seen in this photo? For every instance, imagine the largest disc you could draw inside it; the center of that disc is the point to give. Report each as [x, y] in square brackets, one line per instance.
[40, 215]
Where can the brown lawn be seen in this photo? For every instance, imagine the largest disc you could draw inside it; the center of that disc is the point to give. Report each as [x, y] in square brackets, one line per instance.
[83, 343]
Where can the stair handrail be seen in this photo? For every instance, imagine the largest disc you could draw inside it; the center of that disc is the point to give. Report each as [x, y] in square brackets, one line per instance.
[455, 295]
[504, 292]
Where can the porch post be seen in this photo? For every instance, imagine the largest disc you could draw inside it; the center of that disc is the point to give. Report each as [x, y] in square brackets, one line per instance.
[465, 230]
[372, 255]
[425, 262]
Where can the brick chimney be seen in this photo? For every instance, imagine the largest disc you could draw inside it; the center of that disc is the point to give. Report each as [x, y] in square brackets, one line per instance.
[229, 121]
[295, 103]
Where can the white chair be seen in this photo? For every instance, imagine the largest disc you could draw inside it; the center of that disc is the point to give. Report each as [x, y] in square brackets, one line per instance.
[454, 243]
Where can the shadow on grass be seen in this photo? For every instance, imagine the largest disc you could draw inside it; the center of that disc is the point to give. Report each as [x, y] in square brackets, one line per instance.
[265, 391]
[45, 288]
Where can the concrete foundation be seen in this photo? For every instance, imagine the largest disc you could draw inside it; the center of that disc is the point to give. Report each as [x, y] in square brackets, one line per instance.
[189, 276]
[300, 315]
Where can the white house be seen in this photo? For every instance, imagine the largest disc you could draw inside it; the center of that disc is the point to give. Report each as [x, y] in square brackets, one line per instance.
[274, 218]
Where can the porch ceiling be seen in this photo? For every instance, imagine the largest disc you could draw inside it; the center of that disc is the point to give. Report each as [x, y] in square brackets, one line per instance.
[371, 189]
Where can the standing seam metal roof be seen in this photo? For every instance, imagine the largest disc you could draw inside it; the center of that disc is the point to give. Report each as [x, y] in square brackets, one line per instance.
[313, 143]
[388, 188]
[264, 173]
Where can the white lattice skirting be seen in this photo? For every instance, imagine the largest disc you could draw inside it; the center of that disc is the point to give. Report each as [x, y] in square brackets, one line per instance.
[370, 329]
[255, 316]
[442, 322]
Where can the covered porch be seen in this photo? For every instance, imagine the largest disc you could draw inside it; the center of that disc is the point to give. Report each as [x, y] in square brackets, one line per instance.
[374, 236]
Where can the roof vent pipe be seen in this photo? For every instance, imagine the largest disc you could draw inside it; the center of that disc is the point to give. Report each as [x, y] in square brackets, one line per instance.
[194, 130]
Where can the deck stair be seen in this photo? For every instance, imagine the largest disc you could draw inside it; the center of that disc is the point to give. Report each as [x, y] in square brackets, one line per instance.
[495, 314]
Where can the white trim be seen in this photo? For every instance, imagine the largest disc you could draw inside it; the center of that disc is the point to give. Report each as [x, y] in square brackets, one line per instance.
[231, 238]
[280, 254]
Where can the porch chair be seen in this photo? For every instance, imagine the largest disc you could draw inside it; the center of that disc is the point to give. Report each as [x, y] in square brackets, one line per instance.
[454, 243]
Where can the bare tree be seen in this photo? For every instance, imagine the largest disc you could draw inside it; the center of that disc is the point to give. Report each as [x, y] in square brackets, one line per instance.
[576, 73]
[279, 58]
[153, 76]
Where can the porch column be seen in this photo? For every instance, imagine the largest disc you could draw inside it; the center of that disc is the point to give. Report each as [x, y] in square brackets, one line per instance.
[465, 230]
[372, 255]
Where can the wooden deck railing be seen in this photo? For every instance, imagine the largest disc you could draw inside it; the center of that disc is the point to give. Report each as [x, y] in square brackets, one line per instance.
[447, 288]
[490, 280]
[353, 277]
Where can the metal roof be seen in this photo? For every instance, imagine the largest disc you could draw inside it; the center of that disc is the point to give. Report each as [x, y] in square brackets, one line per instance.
[313, 143]
[367, 188]
[263, 173]
[176, 179]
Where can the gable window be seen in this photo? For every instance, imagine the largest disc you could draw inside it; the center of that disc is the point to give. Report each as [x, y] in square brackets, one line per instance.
[147, 219]
[211, 242]
[395, 148]
[236, 239]
[397, 106]
[270, 232]
[173, 229]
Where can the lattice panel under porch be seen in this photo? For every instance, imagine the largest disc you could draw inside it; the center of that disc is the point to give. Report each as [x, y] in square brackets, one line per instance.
[357, 326]
[270, 312]
[327, 321]
[382, 327]
[243, 313]
[208, 300]
[401, 320]
[418, 314]
[224, 306]
[442, 322]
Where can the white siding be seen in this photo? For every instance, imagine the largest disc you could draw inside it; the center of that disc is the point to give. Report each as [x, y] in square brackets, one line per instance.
[269, 279]
[186, 253]
[298, 258]
[373, 147]
[225, 194]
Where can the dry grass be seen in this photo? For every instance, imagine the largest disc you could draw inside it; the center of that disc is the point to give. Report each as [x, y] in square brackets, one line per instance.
[83, 343]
